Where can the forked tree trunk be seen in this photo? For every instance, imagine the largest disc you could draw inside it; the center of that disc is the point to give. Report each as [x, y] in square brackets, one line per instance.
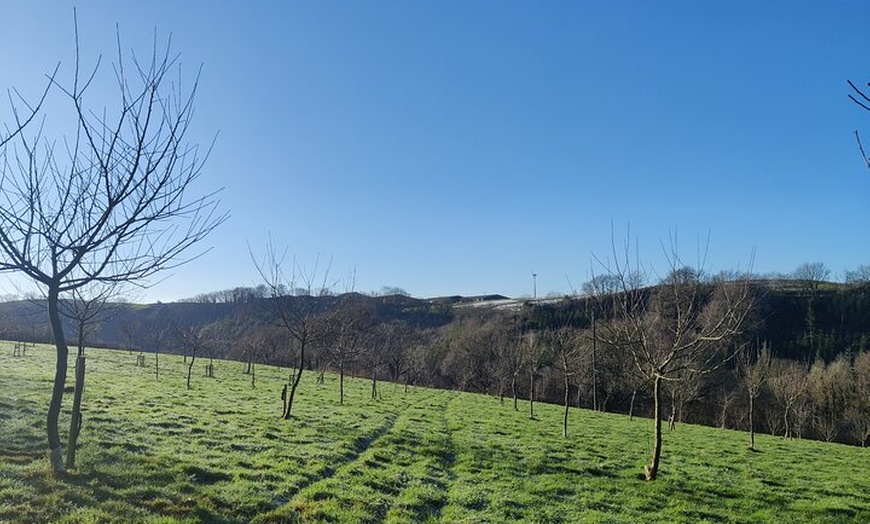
[652, 469]
[374, 385]
[55, 453]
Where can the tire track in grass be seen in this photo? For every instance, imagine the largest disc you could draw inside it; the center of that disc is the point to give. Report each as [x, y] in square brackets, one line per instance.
[424, 498]
[402, 475]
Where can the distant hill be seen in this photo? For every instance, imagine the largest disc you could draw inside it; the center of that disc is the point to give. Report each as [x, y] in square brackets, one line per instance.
[127, 325]
[801, 320]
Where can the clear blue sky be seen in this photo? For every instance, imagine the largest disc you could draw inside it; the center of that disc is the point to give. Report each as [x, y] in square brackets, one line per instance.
[457, 147]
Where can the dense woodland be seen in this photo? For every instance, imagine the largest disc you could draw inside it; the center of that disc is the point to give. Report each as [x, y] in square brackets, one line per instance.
[798, 367]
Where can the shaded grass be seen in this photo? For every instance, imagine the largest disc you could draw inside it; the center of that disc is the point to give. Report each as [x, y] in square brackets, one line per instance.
[152, 451]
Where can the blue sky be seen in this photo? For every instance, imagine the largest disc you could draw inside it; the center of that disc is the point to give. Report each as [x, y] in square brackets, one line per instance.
[458, 147]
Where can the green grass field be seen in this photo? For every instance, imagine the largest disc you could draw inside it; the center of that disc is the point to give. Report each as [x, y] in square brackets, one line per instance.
[151, 451]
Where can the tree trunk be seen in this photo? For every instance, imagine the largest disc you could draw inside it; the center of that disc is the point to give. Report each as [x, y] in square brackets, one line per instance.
[341, 382]
[532, 396]
[55, 454]
[751, 424]
[652, 469]
[157, 364]
[514, 391]
[75, 424]
[785, 420]
[295, 381]
[594, 371]
[190, 366]
[253, 375]
[631, 405]
[565, 418]
[374, 386]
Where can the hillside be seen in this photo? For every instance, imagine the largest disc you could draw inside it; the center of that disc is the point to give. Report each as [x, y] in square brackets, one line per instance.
[817, 332]
[151, 451]
[799, 321]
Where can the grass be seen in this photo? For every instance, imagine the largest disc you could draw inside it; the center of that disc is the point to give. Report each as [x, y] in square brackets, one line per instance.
[152, 451]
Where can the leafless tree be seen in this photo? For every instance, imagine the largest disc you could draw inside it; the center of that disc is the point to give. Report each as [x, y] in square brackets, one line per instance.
[858, 410]
[682, 328]
[570, 355]
[398, 338]
[538, 352]
[354, 321]
[754, 368]
[828, 386]
[388, 348]
[295, 304]
[788, 383]
[511, 360]
[157, 335]
[110, 201]
[193, 340]
[726, 397]
[258, 345]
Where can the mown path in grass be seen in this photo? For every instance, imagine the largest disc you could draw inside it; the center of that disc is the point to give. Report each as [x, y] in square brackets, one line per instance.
[152, 451]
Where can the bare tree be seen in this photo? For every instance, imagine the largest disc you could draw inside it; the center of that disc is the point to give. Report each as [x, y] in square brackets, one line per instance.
[256, 344]
[858, 410]
[354, 321]
[510, 360]
[388, 349]
[538, 352]
[296, 304]
[109, 205]
[828, 386]
[754, 368]
[570, 354]
[157, 334]
[788, 383]
[682, 328]
[813, 273]
[194, 340]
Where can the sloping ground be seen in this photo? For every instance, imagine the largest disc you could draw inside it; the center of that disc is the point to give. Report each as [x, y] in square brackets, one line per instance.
[152, 451]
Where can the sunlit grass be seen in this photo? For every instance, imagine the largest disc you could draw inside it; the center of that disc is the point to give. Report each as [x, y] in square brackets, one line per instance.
[152, 451]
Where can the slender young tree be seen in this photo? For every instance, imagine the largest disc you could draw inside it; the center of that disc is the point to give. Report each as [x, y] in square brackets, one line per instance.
[113, 204]
[355, 319]
[86, 307]
[569, 358]
[300, 303]
[754, 368]
[538, 353]
[682, 328]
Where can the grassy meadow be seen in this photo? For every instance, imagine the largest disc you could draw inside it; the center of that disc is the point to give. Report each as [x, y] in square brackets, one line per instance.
[152, 451]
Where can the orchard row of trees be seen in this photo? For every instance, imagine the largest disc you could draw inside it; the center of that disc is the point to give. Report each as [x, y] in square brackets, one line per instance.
[687, 349]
